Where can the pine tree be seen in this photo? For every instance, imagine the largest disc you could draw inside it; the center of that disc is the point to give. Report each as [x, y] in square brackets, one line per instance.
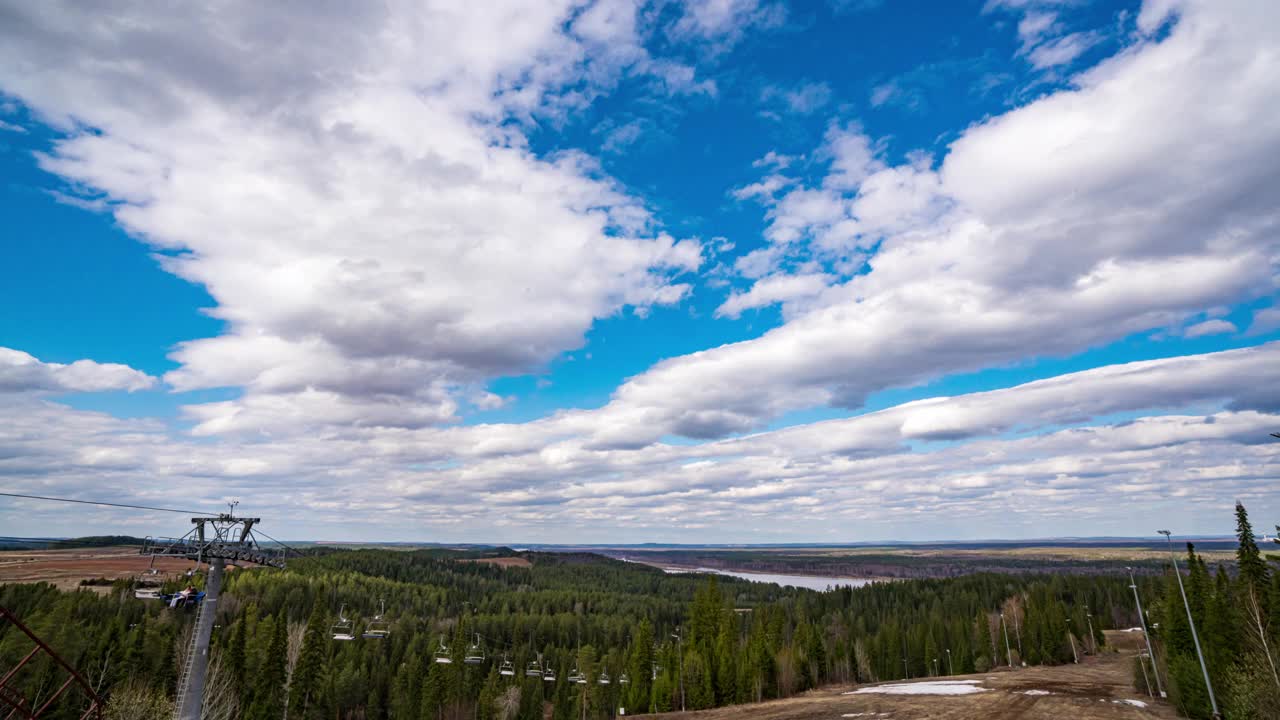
[303, 684]
[1253, 569]
[268, 696]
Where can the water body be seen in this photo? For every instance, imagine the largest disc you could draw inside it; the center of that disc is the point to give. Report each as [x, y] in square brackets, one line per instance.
[812, 582]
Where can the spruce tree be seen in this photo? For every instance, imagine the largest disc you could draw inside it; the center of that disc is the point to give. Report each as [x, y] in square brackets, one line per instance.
[306, 674]
[1253, 569]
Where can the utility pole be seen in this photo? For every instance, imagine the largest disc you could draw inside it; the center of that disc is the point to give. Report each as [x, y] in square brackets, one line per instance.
[951, 666]
[1155, 669]
[213, 540]
[1072, 640]
[680, 650]
[1007, 648]
[1213, 701]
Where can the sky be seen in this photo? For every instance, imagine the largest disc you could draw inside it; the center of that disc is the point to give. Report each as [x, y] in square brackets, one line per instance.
[570, 271]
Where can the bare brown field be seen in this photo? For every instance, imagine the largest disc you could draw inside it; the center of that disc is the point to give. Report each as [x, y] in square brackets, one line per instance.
[502, 561]
[66, 568]
[1099, 688]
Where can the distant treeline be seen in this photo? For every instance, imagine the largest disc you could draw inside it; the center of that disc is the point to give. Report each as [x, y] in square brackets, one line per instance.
[16, 543]
[891, 564]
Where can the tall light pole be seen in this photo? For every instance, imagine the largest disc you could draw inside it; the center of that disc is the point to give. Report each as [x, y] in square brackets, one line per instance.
[680, 650]
[1088, 616]
[1155, 669]
[951, 666]
[1008, 650]
[1213, 701]
[1071, 639]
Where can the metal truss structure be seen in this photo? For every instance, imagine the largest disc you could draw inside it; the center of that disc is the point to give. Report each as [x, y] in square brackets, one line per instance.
[22, 707]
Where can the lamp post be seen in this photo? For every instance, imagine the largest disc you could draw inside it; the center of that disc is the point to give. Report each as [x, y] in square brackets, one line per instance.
[680, 650]
[1155, 669]
[1195, 637]
[1008, 650]
[951, 666]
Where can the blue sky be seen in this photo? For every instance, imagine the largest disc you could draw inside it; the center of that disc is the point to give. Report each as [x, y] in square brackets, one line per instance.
[565, 271]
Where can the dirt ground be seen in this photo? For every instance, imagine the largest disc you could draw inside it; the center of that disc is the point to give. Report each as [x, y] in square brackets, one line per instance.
[1096, 689]
[66, 568]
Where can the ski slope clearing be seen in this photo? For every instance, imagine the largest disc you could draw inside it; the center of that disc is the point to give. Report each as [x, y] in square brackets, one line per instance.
[1099, 688]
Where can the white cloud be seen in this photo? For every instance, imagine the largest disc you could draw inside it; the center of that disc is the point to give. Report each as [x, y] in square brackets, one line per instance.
[1209, 327]
[20, 372]
[805, 99]
[10, 127]
[1265, 320]
[1062, 50]
[541, 480]
[1055, 227]
[372, 227]
[772, 290]
[723, 23]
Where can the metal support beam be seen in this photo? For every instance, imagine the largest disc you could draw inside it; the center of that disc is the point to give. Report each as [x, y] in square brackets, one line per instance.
[193, 693]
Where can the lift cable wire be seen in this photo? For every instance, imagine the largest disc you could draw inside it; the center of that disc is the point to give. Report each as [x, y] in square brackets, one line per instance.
[108, 504]
[281, 544]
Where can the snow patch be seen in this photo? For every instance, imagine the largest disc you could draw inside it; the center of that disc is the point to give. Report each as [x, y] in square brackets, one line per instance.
[1135, 703]
[1137, 629]
[935, 687]
[1034, 692]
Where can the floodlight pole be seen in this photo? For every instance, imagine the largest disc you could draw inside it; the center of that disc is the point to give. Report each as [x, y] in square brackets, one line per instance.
[680, 650]
[1213, 701]
[1092, 642]
[1155, 669]
[1007, 648]
[950, 665]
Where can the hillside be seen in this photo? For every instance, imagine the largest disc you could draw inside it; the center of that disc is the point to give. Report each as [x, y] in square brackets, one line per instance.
[1099, 688]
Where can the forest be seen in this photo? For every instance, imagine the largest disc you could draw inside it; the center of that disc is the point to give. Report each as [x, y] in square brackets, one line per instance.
[584, 636]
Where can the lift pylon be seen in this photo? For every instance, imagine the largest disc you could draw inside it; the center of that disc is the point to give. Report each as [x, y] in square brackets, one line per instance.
[213, 540]
[19, 706]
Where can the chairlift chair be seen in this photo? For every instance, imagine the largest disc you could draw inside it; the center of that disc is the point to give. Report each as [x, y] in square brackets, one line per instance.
[475, 653]
[442, 655]
[604, 678]
[623, 679]
[577, 677]
[377, 629]
[342, 629]
[533, 669]
[549, 675]
[506, 668]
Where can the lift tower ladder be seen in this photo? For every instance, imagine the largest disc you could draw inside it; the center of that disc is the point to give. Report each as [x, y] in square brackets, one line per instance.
[213, 540]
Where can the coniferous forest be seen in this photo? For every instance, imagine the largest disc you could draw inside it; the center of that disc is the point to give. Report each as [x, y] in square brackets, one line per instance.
[659, 640]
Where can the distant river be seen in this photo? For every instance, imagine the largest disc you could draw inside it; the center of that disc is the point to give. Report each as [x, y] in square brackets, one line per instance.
[812, 582]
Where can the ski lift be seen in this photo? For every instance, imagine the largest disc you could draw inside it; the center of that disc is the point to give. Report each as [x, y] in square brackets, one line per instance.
[577, 677]
[475, 653]
[534, 668]
[442, 655]
[604, 678]
[506, 668]
[623, 679]
[377, 628]
[342, 629]
[549, 675]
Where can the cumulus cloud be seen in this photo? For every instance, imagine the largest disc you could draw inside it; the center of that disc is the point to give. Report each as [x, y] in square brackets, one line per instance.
[359, 201]
[804, 99]
[536, 481]
[20, 372]
[1209, 327]
[1058, 226]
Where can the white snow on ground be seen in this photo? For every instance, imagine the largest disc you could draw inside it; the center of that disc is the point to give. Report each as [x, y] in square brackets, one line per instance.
[1135, 703]
[935, 687]
[1034, 692]
[1137, 629]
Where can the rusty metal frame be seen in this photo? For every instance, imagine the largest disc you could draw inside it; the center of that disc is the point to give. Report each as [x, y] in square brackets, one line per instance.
[19, 704]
